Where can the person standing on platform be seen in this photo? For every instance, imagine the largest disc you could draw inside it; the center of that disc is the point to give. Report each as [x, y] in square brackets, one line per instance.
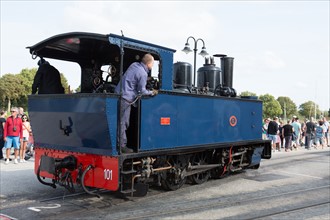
[297, 130]
[287, 131]
[2, 125]
[26, 134]
[273, 132]
[13, 132]
[310, 132]
[326, 134]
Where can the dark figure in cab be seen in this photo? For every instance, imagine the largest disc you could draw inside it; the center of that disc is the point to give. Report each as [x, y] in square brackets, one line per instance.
[47, 79]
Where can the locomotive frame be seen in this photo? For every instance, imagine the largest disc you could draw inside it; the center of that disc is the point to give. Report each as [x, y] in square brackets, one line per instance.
[176, 135]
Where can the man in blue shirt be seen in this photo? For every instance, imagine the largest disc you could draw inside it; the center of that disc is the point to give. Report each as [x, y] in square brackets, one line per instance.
[133, 84]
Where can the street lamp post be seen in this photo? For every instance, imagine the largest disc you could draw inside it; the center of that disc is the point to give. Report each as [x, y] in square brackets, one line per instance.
[187, 50]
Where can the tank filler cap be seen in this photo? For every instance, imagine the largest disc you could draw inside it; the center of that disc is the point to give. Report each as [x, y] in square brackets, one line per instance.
[219, 55]
[209, 61]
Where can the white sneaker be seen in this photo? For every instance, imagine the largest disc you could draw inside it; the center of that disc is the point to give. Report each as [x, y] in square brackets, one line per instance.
[24, 161]
[15, 161]
[21, 161]
[7, 161]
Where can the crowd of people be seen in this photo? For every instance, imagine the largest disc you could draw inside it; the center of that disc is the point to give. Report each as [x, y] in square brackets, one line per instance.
[16, 133]
[293, 134]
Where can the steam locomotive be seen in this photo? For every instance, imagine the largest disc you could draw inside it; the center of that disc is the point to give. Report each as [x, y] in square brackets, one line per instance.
[187, 133]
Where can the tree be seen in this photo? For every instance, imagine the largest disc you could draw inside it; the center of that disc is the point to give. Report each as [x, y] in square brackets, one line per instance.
[15, 88]
[309, 109]
[271, 107]
[65, 84]
[247, 93]
[78, 89]
[27, 76]
[11, 89]
[288, 107]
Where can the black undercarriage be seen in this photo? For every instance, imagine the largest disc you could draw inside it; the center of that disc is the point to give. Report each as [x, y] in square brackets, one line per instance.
[172, 168]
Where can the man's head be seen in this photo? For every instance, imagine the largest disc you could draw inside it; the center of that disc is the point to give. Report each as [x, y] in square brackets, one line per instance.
[2, 112]
[148, 60]
[21, 110]
[14, 111]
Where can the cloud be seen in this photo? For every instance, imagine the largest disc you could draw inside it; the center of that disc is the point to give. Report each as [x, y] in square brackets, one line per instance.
[273, 61]
[301, 85]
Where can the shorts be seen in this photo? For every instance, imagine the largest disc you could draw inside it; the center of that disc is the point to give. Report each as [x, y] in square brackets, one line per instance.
[12, 141]
[25, 139]
[319, 140]
[272, 137]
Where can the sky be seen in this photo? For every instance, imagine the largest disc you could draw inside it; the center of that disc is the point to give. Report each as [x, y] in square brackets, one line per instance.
[279, 47]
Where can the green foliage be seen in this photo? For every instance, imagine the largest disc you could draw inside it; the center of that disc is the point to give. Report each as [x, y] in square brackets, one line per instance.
[65, 84]
[27, 77]
[11, 89]
[288, 107]
[309, 109]
[15, 88]
[271, 107]
[247, 93]
[78, 89]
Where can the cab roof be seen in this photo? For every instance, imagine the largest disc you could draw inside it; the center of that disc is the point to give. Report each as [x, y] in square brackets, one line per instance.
[82, 46]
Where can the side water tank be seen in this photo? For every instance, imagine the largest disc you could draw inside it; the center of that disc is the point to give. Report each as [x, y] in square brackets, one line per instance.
[209, 75]
[182, 75]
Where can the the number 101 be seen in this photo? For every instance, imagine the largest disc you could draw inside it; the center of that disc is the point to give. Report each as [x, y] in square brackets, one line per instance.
[107, 174]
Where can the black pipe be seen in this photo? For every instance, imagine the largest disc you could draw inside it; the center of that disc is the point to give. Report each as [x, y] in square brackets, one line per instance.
[82, 182]
[43, 182]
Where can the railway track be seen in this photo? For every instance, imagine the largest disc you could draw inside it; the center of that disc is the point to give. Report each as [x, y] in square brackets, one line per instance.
[274, 214]
[286, 197]
[184, 210]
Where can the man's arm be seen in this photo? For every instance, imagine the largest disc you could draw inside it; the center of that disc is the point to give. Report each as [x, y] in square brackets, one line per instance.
[142, 85]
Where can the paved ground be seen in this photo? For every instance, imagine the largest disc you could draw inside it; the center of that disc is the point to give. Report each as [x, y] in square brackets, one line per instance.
[291, 185]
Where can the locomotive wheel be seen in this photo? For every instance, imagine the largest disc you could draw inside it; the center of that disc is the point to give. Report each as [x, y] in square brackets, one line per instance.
[172, 183]
[199, 178]
[174, 179]
[220, 173]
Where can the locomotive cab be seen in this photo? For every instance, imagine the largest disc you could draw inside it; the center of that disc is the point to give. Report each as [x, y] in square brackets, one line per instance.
[102, 59]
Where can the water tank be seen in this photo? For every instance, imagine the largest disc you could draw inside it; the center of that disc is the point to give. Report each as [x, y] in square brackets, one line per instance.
[209, 75]
[182, 75]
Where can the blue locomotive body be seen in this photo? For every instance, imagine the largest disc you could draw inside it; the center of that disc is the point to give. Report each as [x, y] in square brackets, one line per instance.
[180, 134]
[198, 120]
[91, 122]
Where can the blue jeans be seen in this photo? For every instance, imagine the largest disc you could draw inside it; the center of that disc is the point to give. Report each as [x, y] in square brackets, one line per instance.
[309, 141]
